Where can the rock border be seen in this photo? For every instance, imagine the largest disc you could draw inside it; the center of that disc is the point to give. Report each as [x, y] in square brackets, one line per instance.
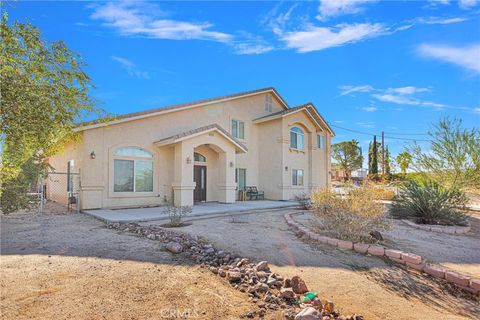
[269, 291]
[437, 228]
[410, 260]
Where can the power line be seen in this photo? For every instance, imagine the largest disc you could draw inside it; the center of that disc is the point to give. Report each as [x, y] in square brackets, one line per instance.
[373, 134]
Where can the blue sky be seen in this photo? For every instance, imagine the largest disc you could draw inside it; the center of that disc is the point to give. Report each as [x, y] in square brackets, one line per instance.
[368, 66]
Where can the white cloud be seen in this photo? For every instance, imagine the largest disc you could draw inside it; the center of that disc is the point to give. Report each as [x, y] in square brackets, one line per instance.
[366, 124]
[346, 90]
[467, 4]
[333, 8]
[370, 109]
[464, 4]
[406, 100]
[144, 19]
[476, 110]
[252, 48]
[320, 38]
[465, 57]
[131, 68]
[439, 20]
[408, 90]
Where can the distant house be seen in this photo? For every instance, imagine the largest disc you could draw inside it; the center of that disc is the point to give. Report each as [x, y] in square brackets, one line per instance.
[205, 150]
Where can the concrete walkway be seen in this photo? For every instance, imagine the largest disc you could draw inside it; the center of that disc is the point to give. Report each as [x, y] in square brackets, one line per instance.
[199, 210]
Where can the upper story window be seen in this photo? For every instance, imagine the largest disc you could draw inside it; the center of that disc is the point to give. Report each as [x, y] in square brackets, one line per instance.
[297, 138]
[198, 157]
[321, 141]
[268, 103]
[132, 170]
[238, 129]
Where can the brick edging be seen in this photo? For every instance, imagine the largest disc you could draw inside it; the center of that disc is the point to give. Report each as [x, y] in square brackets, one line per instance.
[441, 229]
[410, 260]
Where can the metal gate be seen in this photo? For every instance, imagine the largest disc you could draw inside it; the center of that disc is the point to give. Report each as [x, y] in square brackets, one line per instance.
[61, 188]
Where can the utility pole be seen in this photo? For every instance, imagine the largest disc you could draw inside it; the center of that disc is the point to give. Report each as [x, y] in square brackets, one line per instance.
[383, 155]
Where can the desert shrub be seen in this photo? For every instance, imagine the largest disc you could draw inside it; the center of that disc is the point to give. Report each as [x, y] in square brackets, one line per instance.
[430, 203]
[351, 217]
[383, 193]
[176, 214]
[304, 200]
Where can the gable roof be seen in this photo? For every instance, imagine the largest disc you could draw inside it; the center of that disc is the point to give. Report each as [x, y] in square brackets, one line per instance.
[177, 107]
[308, 107]
[191, 133]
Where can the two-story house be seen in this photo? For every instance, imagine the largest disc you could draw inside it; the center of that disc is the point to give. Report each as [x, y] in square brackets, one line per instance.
[202, 151]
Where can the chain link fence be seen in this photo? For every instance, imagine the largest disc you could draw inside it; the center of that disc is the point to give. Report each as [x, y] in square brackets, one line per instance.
[61, 188]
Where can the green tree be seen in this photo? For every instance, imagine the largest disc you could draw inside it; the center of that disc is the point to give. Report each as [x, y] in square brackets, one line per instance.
[44, 93]
[347, 155]
[404, 159]
[373, 156]
[388, 170]
[453, 157]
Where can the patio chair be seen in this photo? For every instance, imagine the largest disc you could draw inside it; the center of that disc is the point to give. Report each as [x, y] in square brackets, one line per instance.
[253, 192]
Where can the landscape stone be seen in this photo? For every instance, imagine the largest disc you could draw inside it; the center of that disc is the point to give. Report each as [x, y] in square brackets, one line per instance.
[308, 313]
[174, 247]
[298, 285]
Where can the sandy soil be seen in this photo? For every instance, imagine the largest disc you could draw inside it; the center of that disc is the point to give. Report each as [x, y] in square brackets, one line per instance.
[455, 252]
[71, 267]
[370, 286]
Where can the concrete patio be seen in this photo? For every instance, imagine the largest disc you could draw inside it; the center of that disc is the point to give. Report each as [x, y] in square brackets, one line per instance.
[199, 210]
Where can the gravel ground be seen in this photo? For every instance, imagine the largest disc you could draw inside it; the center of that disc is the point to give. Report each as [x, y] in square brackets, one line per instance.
[370, 286]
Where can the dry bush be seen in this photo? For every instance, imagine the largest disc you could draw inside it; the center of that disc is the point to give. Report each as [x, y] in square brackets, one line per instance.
[383, 193]
[352, 217]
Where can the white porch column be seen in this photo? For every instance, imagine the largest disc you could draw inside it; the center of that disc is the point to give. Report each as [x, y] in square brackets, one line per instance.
[183, 184]
[226, 177]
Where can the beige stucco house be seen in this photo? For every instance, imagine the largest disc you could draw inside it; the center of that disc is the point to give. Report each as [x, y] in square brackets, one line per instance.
[205, 150]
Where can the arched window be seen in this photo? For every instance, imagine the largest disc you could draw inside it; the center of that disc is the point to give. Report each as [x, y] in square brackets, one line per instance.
[296, 138]
[132, 170]
[198, 157]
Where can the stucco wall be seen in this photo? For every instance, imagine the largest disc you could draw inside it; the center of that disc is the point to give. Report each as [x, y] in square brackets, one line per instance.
[268, 152]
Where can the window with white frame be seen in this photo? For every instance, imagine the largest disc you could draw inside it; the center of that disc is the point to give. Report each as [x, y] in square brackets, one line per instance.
[297, 177]
[321, 141]
[238, 129]
[132, 170]
[268, 103]
[199, 157]
[297, 138]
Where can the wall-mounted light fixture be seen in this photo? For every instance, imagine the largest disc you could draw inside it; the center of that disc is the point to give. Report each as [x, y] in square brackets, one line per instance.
[92, 155]
[189, 160]
[286, 168]
[231, 164]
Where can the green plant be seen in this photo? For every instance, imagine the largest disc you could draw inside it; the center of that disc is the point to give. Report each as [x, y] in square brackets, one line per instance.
[45, 92]
[404, 159]
[351, 217]
[373, 156]
[429, 202]
[453, 156]
[176, 214]
[348, 156]
[15, 195]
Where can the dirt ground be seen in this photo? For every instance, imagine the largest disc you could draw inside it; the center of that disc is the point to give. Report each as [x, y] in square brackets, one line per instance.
[370, 286]
[71, 267]
[459, 253]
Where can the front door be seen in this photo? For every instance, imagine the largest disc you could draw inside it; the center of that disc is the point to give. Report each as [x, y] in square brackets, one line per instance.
[200, 179]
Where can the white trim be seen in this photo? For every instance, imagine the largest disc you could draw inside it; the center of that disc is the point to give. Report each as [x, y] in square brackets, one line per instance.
[160, 112]
[305, 108]
[172, 141]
